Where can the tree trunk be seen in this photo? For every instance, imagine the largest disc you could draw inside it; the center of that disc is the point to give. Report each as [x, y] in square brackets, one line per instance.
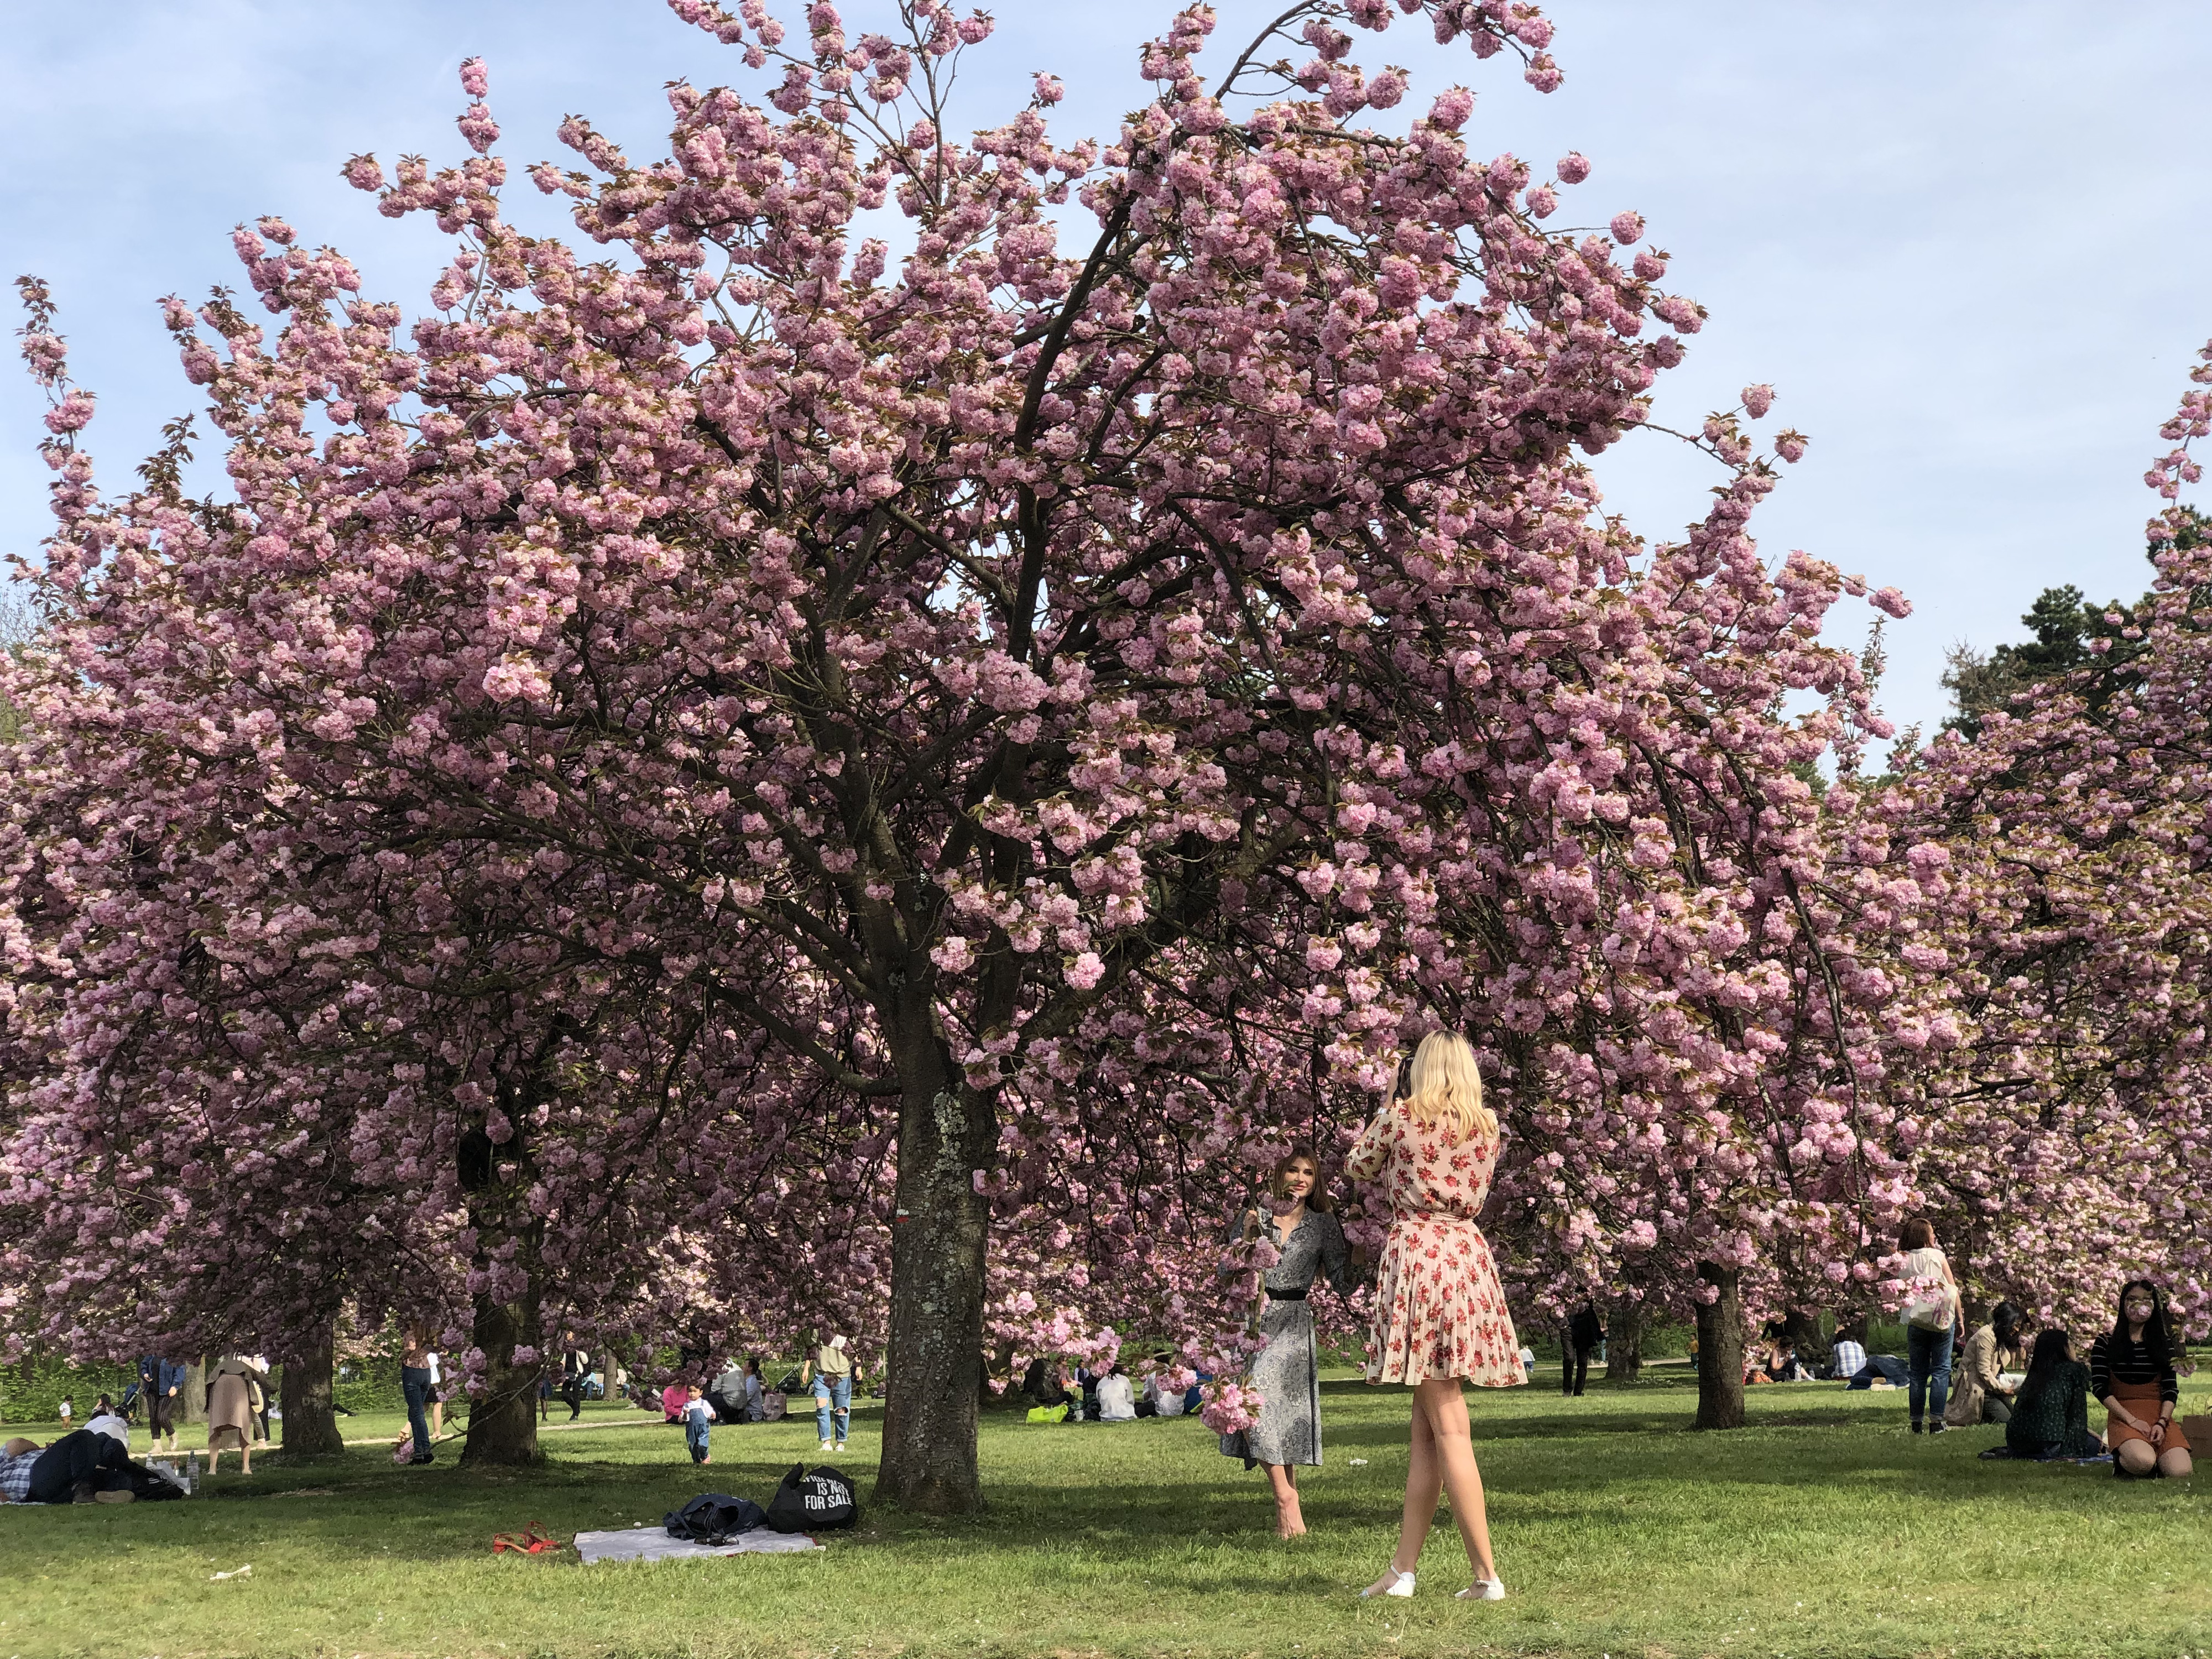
[1624, 1341]
[1720, 1351]
[310, 1424]
[946, 1132]
[502, 1428]
[1802, 1328]
[195, 1395]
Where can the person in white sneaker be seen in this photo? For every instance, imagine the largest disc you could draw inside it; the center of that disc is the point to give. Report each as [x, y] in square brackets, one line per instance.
[1440, 1313]
[830, 1373]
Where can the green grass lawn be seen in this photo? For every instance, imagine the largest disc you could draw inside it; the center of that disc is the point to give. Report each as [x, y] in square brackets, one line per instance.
[1823, 1528]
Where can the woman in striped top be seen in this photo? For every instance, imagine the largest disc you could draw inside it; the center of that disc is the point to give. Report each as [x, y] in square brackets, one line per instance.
[2131, 1370]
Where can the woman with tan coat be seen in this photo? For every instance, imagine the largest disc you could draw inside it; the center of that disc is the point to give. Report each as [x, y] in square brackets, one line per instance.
[1978, 1393]
[230, 1409]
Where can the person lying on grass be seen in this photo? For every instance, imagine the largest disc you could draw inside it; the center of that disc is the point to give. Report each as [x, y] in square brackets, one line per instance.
[80, 1468]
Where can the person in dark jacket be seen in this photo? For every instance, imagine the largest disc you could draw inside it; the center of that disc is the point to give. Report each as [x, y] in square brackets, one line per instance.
[2051, 1413]
[161, 1385]
[1584, 1332]
[575, 1366]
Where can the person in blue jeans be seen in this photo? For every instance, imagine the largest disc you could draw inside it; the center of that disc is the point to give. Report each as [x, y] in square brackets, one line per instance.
[829, 1374]
[697, 1415]
[415, 1384]
[1931, 1312]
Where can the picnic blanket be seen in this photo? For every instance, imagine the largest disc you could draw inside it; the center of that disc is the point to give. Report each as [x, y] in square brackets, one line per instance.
[649, 1543]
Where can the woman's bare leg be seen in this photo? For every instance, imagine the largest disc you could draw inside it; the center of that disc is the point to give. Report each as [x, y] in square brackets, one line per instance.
[1462, 1481]
[2137, 1456]
[1424, 1484]
[2174, 1465]
[1290, 1520]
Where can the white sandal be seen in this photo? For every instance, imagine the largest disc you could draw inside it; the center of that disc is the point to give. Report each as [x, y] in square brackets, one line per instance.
[1400, 1584]
[1483, 1589]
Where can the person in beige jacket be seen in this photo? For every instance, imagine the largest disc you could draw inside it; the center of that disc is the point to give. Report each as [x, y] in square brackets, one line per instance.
[1978, 1393]
[230, 1409]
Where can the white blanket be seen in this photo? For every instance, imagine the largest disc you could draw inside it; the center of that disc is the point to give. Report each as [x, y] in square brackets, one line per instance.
[653, 1544]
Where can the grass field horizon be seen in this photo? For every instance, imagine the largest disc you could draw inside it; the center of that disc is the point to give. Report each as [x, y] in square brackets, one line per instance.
[1822, 1528]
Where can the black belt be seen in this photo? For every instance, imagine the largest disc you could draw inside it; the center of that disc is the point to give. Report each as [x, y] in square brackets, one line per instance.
[1299, 1295]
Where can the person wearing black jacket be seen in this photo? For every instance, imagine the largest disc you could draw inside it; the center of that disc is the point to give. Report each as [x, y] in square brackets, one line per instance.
[1584, 1332]
[575, 1366]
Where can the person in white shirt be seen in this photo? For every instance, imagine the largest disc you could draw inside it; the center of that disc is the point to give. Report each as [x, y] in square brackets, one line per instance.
[1164, 1401]
[1117, 1399]
[698, 1417]
[437, 1401]
[107, 1420]
[752, 1390]
[1528, 1362]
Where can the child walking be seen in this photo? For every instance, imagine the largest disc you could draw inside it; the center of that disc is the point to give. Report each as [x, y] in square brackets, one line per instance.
[697, 1414]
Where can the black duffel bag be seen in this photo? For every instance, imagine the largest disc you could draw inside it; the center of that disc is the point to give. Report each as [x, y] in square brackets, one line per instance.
[714, 1517]
[812, 1501]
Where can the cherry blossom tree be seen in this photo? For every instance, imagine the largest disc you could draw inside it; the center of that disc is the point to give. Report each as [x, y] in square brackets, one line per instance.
[695, 733]
[2064, 1145]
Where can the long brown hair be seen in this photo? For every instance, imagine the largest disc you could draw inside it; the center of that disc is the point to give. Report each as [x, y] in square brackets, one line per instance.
[1318, 1198]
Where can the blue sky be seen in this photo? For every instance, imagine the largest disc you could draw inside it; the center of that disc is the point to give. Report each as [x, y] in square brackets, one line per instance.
[1965, 240]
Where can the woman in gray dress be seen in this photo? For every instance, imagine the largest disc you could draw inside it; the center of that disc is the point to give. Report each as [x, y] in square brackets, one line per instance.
[1300, 1222]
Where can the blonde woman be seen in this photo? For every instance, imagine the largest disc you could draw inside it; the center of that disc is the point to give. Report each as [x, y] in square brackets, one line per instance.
[1440, 1315]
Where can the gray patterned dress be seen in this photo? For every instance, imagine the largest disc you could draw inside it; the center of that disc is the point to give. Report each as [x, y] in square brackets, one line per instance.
[1287, 1371]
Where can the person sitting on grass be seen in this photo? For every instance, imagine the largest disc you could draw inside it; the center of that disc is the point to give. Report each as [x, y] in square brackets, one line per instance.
[107, 1420]
[1849, 1356]
[1117, 1399]
[1164, 1400]
[1851, 1364]
[754, 1391]
[1044, 1384]
[1758, 1362]
[1978, 1393]
[2051, 1413]
[2131, 1369]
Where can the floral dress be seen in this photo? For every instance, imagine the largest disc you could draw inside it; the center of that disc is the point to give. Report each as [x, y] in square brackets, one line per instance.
[1439, 1309]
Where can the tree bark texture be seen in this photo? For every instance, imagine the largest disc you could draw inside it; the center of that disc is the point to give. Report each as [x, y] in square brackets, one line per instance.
[195, 1394]
[1624, 1341]
[502, 1427]
[1720, 1350]
[311, 1421]
[946, 1133]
